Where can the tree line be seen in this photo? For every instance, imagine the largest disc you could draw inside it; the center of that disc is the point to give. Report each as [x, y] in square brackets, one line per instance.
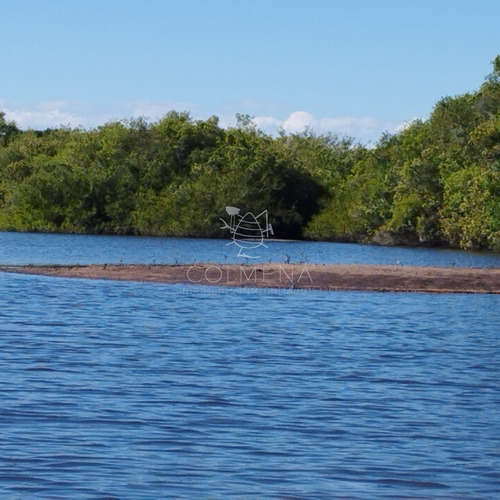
[437, 182]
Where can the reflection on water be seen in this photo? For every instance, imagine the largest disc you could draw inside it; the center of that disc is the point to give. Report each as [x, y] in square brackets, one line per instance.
[130, 390]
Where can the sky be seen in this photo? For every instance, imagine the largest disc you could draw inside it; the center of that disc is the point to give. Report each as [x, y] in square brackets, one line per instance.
[350, 67]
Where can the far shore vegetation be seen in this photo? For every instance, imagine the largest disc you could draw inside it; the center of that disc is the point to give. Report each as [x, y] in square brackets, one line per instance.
[435, 183]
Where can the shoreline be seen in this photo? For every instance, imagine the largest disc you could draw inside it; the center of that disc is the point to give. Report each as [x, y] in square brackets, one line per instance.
[373, 278]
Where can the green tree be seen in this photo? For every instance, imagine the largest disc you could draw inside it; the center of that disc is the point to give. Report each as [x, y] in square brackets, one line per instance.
[8, 130]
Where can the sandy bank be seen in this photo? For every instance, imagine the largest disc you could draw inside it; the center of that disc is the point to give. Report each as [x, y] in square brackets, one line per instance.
[307, 276]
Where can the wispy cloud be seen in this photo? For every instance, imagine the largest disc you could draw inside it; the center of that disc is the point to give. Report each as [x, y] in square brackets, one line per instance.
[356, 126]
[45, 114]
[267, 123]
[364, 128]
[80, 114]
[51, 114]
[406, 124]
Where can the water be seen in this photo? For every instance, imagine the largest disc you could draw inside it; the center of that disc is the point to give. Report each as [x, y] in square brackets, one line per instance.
[26, 248]
[134, 390]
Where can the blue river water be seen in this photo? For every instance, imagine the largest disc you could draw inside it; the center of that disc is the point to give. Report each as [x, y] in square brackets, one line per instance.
[140, 391]
[26, 248]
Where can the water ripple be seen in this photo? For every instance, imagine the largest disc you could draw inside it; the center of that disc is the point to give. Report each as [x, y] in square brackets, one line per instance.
[129, 390]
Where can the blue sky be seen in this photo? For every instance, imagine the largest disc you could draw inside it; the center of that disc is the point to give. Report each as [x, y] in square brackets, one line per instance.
[354, 67]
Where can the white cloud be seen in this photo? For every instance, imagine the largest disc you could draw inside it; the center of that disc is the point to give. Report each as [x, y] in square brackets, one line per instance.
[51, 114]
[298, 121]
[80, 114]
[364, 126]
[267, 122]
[44, 115]
[406, 124]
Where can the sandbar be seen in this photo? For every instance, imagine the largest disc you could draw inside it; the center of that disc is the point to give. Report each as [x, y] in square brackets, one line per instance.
[374, 278]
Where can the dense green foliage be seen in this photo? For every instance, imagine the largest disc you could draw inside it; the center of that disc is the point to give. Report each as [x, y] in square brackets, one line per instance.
[437, 182]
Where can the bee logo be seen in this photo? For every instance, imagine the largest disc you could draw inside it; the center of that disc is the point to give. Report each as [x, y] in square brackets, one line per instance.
[246, 230]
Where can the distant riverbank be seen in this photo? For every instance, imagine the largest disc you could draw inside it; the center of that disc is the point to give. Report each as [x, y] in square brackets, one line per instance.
[289, 276]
